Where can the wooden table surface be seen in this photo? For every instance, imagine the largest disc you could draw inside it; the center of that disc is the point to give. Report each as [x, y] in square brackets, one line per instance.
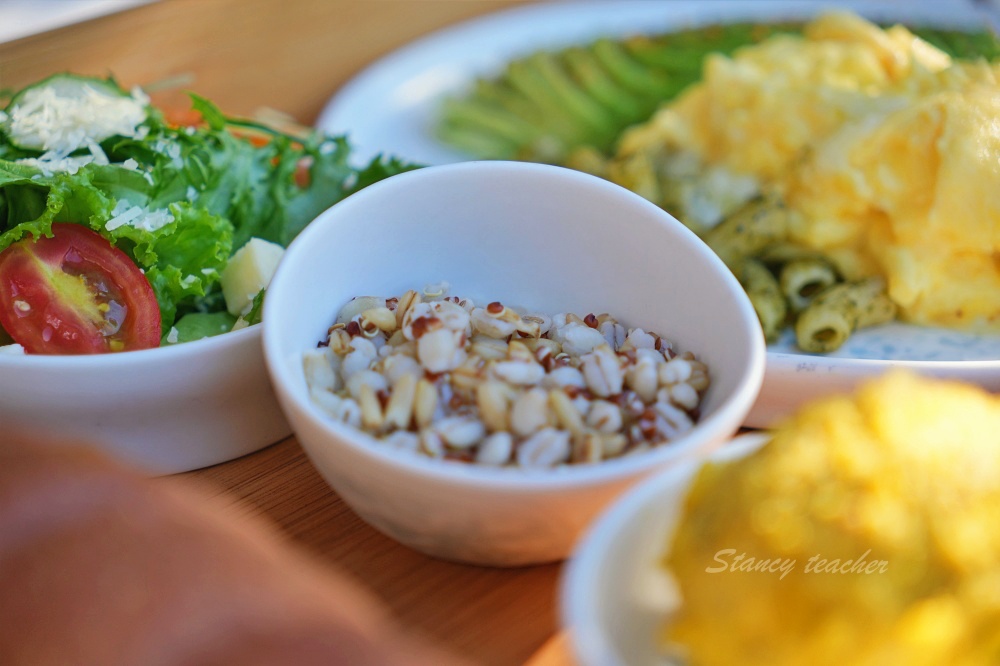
[488, 615]
[292, 55]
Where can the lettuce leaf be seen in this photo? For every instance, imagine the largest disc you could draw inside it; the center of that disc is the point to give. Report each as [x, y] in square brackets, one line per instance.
[198, 325]
[329, 184]
[184, 260]
[256, 308]
[23, 204]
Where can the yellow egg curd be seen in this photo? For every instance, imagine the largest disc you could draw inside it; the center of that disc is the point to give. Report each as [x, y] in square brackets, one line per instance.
[886, 150]
[866, 532]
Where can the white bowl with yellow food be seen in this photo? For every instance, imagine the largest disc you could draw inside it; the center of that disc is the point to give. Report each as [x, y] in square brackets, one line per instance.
[615, 594]
[861, 532]
[518, 245]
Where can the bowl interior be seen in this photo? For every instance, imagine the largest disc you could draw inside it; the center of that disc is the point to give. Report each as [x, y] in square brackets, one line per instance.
[538, 237]
[614, 594]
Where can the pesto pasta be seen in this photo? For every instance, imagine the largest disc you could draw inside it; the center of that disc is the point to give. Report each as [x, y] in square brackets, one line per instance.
[802, 279]
[841, 309]
[765, 295]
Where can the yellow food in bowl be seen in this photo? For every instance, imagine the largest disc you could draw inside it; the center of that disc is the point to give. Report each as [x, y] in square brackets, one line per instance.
[885, 151]
[865, 532]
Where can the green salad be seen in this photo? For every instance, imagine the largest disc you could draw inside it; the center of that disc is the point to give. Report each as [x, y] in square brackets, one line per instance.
[119, 230]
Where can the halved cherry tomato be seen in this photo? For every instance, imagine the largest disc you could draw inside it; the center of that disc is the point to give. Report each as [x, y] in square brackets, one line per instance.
[75, 293]
[303, 172]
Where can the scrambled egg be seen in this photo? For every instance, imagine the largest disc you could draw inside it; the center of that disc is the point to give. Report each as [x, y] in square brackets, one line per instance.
[886, 151]
[864, 533]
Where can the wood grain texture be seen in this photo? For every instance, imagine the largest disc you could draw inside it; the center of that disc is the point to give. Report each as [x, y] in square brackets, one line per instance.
[555, 652]
[491, 616]
[291, 55]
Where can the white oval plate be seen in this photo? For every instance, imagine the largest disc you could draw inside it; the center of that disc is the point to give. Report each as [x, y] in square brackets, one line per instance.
[392, 107]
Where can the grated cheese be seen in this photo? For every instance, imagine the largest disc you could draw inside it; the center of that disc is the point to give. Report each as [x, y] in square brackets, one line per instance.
[138, 217]
[64, 124]
[53, 161]
[49, 164]
[170, 150]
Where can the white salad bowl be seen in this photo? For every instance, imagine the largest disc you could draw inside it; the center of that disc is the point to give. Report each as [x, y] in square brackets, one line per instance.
[165, 410]
[615, 595]
[547, 239]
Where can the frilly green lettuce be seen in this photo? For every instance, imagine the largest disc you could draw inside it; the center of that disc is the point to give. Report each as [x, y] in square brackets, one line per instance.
[200, 193]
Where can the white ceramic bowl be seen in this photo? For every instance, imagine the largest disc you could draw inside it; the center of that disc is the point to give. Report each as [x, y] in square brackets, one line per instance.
[614, 597]
[545, 238]
[165, 410]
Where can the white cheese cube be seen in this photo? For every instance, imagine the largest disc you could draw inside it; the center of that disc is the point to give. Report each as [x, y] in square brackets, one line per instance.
[249, 271]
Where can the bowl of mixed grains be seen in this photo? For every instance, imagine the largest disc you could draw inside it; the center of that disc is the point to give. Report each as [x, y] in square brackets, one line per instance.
[479, 357]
